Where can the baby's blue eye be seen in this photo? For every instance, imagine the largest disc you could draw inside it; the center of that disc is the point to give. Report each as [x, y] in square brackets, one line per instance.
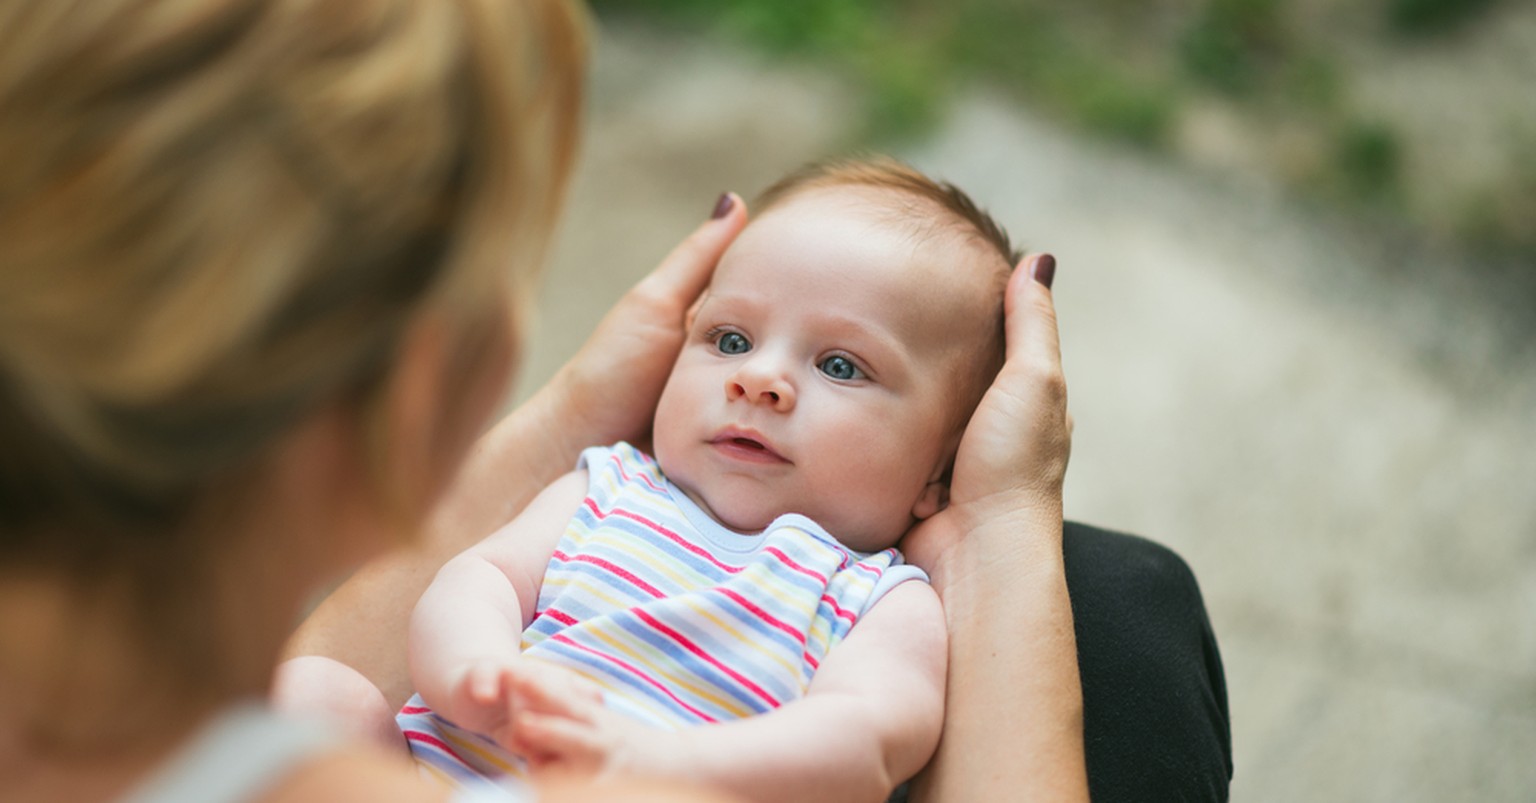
[840, 368]
[733, 343]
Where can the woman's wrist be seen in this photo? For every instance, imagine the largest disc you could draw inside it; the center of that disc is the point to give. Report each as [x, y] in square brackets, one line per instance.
[991, 541]
[558, 423]
[547, 432]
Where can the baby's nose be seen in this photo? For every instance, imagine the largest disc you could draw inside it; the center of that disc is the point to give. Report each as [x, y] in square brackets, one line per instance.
[758, 383]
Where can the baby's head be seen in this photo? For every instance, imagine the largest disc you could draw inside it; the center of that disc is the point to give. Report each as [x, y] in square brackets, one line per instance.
[830, 368]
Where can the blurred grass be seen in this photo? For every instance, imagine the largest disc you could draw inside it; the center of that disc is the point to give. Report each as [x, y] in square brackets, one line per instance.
[1131, 70]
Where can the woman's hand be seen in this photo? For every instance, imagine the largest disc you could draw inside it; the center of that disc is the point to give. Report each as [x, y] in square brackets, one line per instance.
[634, 346]
[606, 393]
[1013, 456]
[1013, 724]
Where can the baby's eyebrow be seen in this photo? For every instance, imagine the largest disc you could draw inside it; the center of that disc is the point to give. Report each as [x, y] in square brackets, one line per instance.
[876, 345]
[730, 303]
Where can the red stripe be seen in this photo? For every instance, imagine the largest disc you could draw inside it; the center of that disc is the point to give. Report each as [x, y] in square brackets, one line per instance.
[418, 736]
[633, 672]
[663, 532]
[763, 615]
[415, 709]
[840, 611]
[878, 572]
[815, 664]
[688, 645]
[788, 561]
[625, 474]
[559, 616]
[611, 568]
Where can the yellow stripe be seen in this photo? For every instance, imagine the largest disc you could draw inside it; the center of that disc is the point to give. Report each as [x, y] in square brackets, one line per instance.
[473, 746]
[777, 656]
[644, 660]
[762, 579]
[646, 656]
[448, 781]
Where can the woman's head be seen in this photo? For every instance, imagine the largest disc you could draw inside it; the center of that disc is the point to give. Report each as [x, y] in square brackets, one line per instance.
[219, 218]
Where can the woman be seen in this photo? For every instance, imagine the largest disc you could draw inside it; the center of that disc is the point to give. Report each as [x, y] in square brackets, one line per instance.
[259, 265]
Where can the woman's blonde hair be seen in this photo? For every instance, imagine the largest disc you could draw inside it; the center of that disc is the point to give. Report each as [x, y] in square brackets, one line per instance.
[217, 217]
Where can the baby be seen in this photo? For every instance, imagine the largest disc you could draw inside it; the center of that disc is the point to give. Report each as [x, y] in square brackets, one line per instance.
[744, 579]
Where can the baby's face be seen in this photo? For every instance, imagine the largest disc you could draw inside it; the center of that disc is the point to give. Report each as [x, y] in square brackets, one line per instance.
[821, 374]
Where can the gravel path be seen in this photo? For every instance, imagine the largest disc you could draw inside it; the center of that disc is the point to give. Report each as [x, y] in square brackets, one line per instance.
[1335, 430]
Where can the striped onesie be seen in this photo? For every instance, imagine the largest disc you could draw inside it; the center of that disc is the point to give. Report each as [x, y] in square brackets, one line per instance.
[679, 620]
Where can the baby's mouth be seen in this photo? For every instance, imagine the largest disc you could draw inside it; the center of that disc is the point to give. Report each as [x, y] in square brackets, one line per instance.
[744, 446]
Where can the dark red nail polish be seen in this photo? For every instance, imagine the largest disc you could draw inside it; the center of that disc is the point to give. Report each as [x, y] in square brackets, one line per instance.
[1044, 270]
[723, 206]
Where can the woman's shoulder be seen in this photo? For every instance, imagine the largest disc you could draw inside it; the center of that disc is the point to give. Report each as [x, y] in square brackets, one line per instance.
[249, 753]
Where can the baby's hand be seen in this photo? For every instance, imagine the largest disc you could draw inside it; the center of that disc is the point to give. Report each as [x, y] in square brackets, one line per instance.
[481, 700]
[559, 728]
[494, 696]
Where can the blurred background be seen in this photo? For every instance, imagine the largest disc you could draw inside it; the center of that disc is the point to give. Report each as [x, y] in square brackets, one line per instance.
[1297, 291]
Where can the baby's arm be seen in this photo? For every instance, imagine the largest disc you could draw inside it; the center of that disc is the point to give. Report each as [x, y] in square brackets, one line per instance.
[869, 721]
[465, 632]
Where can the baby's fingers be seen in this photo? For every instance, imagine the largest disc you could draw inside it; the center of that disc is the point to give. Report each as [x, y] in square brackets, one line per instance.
[548, 690]
[550, 740]
[484, 684]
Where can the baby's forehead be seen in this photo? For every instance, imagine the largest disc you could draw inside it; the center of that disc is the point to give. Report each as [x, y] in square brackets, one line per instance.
[934, 233]
[822, 245]
[883, 206]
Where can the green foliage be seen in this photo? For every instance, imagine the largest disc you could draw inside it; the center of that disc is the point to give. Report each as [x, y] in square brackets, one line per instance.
[907, 86]
[1497, 220]
[1421, 17]
[1127, 69]
[804, 27]
[1368, 158]
[1110, 101]
[1026, 49]
[906, 54]
[1312, 82]
[1233, 44]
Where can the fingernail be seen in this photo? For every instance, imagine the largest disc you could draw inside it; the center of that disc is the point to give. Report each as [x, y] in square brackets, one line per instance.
[1044, 270]
[723, 206]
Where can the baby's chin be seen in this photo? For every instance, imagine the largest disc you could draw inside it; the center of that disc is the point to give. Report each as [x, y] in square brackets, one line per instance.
[731, 517]
[749, 519]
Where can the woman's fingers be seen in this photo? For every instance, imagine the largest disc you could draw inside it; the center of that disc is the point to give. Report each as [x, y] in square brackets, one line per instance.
[1017, 438]
[1030, 316]
[1013, 454]
[635, 344]
[685, 272]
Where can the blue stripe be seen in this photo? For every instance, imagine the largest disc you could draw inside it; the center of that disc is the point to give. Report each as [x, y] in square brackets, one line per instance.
[702, 671]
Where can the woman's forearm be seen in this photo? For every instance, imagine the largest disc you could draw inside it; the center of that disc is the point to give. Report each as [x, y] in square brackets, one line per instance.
[363, 623]
[525, 451]
[1013, 678]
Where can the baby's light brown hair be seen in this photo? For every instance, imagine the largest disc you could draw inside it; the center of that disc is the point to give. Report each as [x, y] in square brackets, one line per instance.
[925, 197]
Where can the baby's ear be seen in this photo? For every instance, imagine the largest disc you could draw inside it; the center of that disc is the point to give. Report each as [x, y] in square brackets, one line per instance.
[935, 497]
